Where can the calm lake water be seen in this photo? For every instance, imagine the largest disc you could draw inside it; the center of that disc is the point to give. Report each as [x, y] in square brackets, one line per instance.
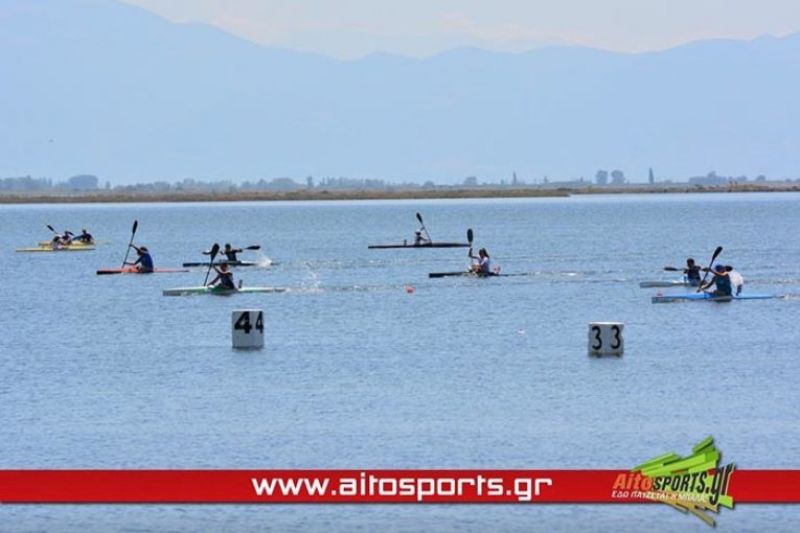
[105, 372]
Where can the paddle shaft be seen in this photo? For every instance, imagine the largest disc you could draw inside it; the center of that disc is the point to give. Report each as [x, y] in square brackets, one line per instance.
[422, 224]
[710, 266]
[128, 250]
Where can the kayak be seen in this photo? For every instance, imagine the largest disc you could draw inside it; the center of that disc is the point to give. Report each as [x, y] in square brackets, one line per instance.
[706, 296]
[664, 283]
[427, 245]
[219, 291]
[471, 275]
[68, 248]
[134, 270]
[73, 243]
[229, 263]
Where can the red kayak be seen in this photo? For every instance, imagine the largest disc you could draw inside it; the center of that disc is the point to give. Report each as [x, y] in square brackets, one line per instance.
[134, 270]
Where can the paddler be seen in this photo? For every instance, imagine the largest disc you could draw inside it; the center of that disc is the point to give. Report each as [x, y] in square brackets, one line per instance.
[66, 239]
[483, 266]
[420, 239]
[736, 279]
[231, 252]
[224, 278]
[144, 263]
[85, 237]
[692, 273]
[721, 282]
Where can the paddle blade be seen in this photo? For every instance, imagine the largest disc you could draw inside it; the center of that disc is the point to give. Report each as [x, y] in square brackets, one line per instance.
[672, 269]
[51, 228]
[470, 236]
[135, 227]
[214, 252]
[714, 257]
[254, 247]
[419, 217]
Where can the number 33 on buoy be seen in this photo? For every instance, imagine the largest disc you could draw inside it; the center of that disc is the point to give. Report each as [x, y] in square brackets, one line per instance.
[605, 338]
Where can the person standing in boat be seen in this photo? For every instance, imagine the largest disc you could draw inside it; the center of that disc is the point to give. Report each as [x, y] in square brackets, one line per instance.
[483, 266]
[692, 273]
[224, 278]
[721, 282]
[144, 263]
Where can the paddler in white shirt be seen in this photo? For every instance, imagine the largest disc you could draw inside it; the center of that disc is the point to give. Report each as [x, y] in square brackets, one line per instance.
[736, 279]
[483, 266]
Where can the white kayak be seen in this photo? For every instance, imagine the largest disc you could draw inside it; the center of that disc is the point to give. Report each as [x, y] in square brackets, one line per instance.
[662, 283]
[219, 291]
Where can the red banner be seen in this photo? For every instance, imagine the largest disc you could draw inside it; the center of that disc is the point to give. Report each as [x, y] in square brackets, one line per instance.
[359, 486]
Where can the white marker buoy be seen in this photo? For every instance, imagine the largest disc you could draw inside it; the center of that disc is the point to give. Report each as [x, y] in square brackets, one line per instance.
[247, 329]
[605, 338]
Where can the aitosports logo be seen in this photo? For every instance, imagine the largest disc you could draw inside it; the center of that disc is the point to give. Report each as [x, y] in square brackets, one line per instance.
[695, 483]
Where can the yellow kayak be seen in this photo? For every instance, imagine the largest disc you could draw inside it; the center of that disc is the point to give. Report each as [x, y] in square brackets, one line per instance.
[74, 243]
[68, 248]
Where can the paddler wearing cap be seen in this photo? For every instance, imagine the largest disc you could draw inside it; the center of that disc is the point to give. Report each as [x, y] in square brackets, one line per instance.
[144, 263]
[721, 282]
[420, 239]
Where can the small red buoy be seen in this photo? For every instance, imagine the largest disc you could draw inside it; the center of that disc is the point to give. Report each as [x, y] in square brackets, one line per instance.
[409, 289]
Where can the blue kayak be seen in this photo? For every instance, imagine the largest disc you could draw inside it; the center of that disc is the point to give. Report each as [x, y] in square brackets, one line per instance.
[706, 296]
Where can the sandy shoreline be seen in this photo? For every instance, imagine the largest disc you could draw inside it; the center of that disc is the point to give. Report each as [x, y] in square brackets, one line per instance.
[416, 194]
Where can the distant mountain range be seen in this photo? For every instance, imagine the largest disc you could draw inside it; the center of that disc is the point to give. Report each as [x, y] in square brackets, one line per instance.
[102, 87]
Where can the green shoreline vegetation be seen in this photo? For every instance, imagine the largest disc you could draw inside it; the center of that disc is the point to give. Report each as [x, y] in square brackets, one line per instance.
[101, 196]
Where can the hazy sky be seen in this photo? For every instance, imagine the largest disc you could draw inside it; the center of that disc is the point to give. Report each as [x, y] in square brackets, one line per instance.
[353, 28]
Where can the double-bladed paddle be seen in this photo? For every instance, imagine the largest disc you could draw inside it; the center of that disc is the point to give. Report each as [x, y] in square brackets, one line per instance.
[128, 250]
[253, 247]
[214, 251]
[710, 266]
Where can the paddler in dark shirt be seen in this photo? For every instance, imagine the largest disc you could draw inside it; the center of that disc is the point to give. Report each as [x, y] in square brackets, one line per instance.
[692, 273]
[419, 239]
[231, 252]
[144, 263]
[66, 239]
[224, 278]
[85, 237]
[721, 281]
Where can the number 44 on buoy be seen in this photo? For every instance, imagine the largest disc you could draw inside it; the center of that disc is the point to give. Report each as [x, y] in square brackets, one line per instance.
[247, 329]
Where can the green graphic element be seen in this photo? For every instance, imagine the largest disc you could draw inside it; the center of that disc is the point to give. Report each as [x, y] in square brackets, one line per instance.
[695, 483]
